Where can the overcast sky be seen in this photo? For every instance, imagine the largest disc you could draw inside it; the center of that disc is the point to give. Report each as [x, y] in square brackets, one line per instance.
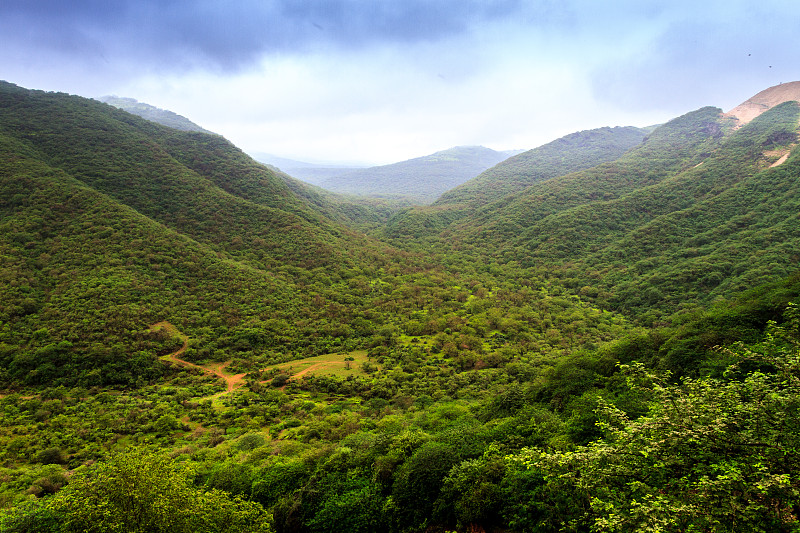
[386, 80]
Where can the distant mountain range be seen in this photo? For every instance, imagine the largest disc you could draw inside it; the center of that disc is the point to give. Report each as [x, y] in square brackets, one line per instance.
[312, 173]
[573, 152]
[423, 178]
[419, 180]
[576, 151]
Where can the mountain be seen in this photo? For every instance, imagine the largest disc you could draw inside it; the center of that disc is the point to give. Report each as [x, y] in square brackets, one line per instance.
[421, 179]
[704, 208]
[312, 173]
[90, 274]
[570, 153]
[567, 154]
[111, 222]
[152, 113]
[185, 180]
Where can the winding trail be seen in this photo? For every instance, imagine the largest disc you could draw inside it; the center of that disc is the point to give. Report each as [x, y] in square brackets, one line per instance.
[232, 382]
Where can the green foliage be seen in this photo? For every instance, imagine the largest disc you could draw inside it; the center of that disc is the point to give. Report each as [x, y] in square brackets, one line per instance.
[711, 454]
[357, 506]
[138, 491]
[31, 516]
[472, 492]
[491, 385]
[250, 441]
[50, 456]
[419, 480]
[571, 153]
[275, 481]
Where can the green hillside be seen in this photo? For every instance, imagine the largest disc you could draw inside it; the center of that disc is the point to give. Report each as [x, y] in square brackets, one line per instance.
[676, 146]
[191, 341]
[577, 151]
[85, 276]
[662, 238]
[573, 152]
[197, 184]
[112, 224]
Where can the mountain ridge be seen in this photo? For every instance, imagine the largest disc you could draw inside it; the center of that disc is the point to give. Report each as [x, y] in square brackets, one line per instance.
[587, 147]
[152, 113]
[596, 223]
[200, 170]
[573, 152]
[765, 100]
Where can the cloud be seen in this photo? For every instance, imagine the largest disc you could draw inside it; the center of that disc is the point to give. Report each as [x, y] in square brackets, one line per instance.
[231, 35]
[700, 56]
[384, 79]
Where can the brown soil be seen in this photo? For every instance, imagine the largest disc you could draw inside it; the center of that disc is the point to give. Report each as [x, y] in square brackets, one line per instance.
[780, 161]
[766, 99]
[232, 382]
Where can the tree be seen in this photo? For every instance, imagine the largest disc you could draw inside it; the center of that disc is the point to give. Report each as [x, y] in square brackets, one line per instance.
[710, 455]
[31, 516]
[138, 491]
[418, 482]
[471, 492]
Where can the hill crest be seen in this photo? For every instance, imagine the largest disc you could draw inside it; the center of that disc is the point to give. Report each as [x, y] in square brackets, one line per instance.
[153, 113]
[765, 100]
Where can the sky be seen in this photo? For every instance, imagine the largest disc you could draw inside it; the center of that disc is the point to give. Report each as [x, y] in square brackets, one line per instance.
[380, 81]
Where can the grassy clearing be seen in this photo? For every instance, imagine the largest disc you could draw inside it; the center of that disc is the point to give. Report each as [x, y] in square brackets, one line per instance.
[337, 364]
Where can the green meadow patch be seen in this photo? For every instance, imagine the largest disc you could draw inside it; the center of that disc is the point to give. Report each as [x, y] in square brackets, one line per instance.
[354, 363]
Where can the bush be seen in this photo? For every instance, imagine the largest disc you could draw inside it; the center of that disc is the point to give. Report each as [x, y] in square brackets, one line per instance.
[51, 456]
[141, 492]
[280, 380]
[250, 442]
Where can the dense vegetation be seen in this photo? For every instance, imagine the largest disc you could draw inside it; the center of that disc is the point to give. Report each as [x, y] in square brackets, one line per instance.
[571, 153]
[577, 151]
[649, 240]
[191, 341]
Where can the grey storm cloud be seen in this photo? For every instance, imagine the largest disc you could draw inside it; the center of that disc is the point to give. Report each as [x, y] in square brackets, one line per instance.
[230, 35]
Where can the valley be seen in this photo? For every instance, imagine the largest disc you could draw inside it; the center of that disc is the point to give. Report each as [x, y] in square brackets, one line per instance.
[598, 334]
